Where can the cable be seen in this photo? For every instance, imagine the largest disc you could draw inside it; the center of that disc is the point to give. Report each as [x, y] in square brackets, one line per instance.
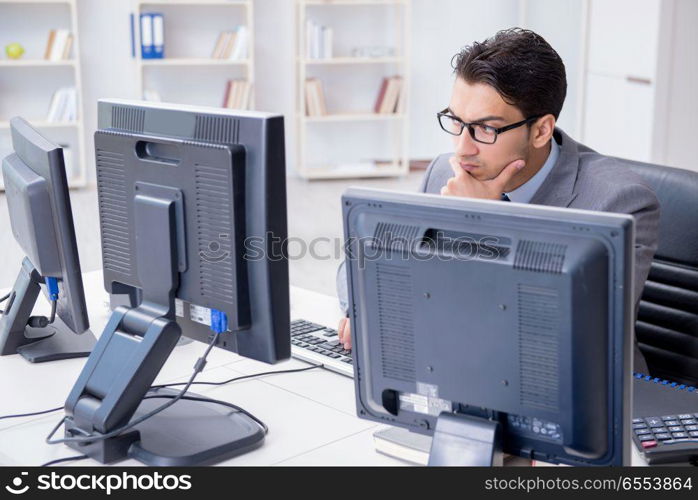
[52, 318]
[216, 401]
[4, 298]
[236, 379]
[200, 364]
[31, 414]
[66, 459]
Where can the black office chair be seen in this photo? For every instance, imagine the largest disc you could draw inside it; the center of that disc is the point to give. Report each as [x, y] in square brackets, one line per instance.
[667, 323]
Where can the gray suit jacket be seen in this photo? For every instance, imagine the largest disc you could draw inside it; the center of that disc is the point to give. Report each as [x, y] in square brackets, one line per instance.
[584, 179]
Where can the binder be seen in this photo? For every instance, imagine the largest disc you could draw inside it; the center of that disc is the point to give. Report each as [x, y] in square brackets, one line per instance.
[158, 36]
[147, 48]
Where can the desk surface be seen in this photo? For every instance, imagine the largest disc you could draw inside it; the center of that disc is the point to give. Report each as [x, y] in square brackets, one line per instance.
[311, 415]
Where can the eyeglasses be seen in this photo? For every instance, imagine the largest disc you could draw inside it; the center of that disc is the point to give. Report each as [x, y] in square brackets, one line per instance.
[478, 131]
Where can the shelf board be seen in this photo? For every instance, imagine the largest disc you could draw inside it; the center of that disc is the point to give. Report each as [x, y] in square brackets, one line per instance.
[354, 2]
[354, 60]
[345, 173]
[27, 63]
[353, 117]
[185, 61]
[43, 124]
[68, 2]
[237, 3]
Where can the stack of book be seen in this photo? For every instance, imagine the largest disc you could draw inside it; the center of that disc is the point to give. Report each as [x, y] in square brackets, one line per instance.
[237, 94]
[58, 46]
[232, 45]
[318, 41]
[389, 97]
[64, 105]
[314, 98]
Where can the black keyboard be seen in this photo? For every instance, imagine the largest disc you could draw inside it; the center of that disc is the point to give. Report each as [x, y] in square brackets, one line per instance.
[318, 344]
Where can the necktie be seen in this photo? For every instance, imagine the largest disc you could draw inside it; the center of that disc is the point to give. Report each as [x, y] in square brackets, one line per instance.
[505, 197]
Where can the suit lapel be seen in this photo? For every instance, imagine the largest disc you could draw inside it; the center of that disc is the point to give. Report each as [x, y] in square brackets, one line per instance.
[558, 188]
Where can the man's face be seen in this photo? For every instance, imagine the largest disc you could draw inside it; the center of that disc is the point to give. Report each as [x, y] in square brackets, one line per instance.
[479, 102]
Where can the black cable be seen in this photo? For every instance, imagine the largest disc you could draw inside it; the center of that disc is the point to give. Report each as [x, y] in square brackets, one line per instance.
[216, 401]
[66, 459]
[243, 377]
[3, 299]
[31, 414]
[229, 381]
[200, 364]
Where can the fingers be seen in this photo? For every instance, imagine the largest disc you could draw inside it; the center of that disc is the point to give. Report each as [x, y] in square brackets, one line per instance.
[455, 166]
[340, 329]
[508, 174]
[344, 333]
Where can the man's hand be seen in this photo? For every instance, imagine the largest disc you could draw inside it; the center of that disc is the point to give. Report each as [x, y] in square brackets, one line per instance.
[464, 184]
[344, 332]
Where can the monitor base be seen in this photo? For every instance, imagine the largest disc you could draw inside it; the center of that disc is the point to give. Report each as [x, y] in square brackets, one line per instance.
[56, 341]
[189, 433]
[464, 440]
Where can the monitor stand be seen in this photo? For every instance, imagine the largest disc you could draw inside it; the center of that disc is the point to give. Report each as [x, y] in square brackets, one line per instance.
[53, 342]
[114, 385]
[464, 440]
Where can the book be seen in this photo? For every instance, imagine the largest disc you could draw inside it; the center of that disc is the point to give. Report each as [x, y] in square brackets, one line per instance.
[319, 40]
[403, 445]
[239, 49]
[237, 94]
[315, 98]
[63, 107]
[381, 96]
[147, 48]
[58, 45]
[391, 97]
[221, 44]
[158, 21]
[68, 46]
[49, 44]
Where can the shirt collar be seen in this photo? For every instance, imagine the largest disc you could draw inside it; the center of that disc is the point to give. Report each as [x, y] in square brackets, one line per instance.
[525, 192]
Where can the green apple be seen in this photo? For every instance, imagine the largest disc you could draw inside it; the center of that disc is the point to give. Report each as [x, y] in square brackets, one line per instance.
[14, 50]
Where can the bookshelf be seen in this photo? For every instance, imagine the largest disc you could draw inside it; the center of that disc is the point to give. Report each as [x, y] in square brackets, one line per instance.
[188, 74]
[29, 83]
[351, 82]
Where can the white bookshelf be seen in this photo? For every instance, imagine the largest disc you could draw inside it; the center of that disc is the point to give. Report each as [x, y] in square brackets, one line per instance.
[29, 83]
[187, 74]
[368, 144]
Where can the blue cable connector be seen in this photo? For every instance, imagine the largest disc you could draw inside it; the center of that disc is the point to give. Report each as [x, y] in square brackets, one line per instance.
[52, 285]
[219, 321]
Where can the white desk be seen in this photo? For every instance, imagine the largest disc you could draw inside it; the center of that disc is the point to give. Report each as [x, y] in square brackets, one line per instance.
[311, 415]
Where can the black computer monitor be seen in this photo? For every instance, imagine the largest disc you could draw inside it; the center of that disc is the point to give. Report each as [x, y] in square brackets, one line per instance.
[38, 200]
[492, 326]
[192, 204]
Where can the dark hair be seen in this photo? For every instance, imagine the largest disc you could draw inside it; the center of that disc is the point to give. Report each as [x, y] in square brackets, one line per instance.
[521, 66]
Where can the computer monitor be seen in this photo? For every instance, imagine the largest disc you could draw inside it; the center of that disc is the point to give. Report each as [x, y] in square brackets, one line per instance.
[192, 205]
[41, 218]
[492, 326]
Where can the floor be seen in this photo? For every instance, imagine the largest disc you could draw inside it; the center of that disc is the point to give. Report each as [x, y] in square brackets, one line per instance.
[314, 223]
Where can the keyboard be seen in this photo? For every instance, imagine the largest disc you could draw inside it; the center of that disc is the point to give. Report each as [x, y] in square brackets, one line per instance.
[318, 344]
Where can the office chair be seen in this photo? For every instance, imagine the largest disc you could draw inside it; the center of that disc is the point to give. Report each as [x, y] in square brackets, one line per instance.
[667, 323]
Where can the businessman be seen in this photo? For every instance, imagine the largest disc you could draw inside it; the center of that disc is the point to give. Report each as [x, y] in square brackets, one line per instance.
[507, 96]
